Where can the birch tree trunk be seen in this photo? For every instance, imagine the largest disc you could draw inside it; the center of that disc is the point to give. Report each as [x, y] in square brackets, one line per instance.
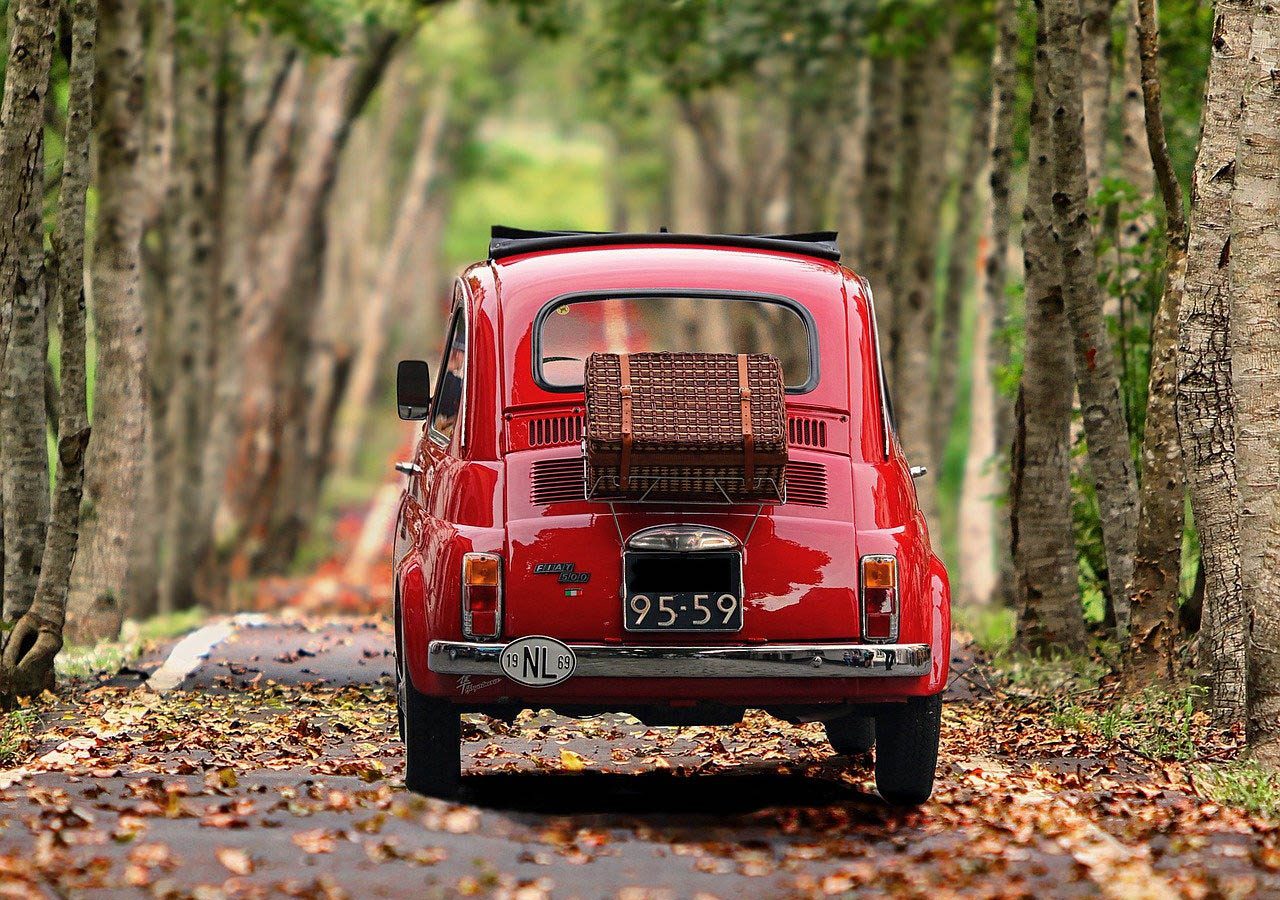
[1206, 415]
[23, 462]
[1255, 367]
[877, 201]
[961, 265]
[113, 466]
[36, 638]
[925, 125]
[1049, 609]
[1158, 563]
[1110, 459]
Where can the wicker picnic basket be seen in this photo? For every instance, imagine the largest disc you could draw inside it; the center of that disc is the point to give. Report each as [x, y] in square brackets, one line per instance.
[708, 427]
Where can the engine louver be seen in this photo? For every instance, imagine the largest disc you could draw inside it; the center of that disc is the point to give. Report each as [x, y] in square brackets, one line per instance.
[806, 432]
[806, 483]
[557, 480]
[560, 481]
[553, 430]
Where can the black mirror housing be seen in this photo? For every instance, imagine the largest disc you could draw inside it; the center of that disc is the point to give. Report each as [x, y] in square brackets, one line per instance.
[413, 389]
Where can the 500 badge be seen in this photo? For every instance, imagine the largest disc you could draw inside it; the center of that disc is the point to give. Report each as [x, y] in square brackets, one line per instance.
[538, 661]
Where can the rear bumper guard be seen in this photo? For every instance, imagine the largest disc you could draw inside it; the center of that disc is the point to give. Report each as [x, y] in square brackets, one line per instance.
[766, 661]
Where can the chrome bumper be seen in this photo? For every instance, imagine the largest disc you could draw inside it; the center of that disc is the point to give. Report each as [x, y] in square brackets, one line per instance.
[766, 661]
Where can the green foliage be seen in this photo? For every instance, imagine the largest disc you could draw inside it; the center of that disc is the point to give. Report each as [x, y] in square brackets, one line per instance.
[993, 628]
[1244, 783]
[1157, 724]
[15, 728]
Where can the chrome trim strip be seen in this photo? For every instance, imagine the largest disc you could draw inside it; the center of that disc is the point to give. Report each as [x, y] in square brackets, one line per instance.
[885, 423]
[767, 661]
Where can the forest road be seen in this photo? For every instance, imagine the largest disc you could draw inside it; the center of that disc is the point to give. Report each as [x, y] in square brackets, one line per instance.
[274, 768]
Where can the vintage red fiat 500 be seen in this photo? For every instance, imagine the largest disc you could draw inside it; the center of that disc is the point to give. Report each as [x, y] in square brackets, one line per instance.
[514, 590]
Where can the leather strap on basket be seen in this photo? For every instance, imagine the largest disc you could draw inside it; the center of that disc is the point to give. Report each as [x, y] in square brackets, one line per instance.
[624, 371]
[748, 439]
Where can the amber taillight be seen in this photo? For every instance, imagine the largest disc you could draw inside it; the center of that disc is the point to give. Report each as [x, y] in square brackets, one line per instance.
[481, 595]
[879, 598]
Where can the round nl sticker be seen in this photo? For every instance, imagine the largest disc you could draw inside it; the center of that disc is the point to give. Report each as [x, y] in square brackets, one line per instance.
[538, 661]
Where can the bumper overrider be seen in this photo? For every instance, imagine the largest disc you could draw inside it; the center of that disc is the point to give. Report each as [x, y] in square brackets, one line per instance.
[771, 661]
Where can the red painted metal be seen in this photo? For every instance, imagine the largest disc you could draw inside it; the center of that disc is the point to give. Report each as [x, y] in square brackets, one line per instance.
[503, 484]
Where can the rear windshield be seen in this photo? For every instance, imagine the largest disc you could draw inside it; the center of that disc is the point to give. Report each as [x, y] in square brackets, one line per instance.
[569, 330]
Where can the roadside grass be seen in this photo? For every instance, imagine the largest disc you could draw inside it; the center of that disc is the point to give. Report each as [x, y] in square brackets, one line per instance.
[111, 656]
[1157, 724]
[15, 727]
[1245, 784]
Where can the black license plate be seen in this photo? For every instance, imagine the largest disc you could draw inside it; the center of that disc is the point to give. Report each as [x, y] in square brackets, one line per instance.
[682, 591]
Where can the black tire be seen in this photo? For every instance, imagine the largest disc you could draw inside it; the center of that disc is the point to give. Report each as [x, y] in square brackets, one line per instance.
[907, 750]
[432, 744]
[852, 735]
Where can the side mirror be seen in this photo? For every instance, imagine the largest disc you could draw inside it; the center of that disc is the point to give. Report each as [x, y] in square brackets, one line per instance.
[413, 389]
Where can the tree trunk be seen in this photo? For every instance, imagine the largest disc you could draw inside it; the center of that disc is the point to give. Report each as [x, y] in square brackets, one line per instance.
[1004, 102]
[244, 520]
[926, 110]
[27, 667]
[960, 271]
[191, 326]
[878, 199]
[1158, 563]
[23, 460]
[372, 327]
[1206, 415]
[113, 466]
[1110, 459]
[1050, 616]
[1255, 367]
[1095, 84]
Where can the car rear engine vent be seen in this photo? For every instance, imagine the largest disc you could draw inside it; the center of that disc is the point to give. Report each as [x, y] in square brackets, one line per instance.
[806, 483]
[806, 432]
[552, 430]
[557, 480]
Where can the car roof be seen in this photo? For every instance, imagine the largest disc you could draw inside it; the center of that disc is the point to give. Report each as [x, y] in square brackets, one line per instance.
[507, 242]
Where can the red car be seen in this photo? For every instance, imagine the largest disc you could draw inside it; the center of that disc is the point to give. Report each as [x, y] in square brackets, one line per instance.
[513, 590]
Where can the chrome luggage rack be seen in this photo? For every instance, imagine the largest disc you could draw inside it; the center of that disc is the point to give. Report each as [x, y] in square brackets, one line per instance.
[608, 490]
[597, 491]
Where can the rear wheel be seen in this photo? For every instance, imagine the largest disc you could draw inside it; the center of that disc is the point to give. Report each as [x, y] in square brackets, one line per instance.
[852, 735]
[432, 743]
[906, 737]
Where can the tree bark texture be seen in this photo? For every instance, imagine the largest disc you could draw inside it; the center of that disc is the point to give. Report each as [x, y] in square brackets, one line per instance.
[27, 667]
[1110, 458]
[961, 267]
[877, 201]
[1158, 562]
[926, 109]
[23, 476]
[113, 466]
[1206, 414]
[1255, 367]
[1043, 545]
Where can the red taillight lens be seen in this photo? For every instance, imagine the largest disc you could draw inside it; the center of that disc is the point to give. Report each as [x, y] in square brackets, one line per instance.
[879, 598]
[481, 595]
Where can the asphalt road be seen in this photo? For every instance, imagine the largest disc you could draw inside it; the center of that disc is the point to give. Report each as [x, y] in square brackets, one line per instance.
[599, 808]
